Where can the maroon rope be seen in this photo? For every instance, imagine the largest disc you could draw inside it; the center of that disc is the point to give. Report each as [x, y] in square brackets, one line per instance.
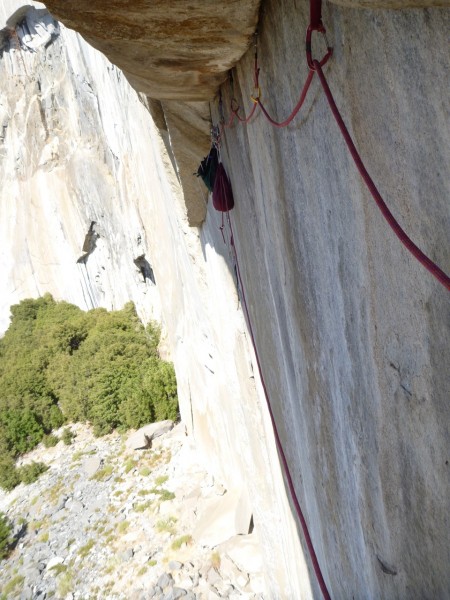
[243, 120]
[297, 107]
[316, 66]
[279, 445]
[393, 223]
[257, 102]
[315, 14]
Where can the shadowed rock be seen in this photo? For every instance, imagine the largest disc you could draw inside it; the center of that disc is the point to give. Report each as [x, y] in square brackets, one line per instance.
[142, 438]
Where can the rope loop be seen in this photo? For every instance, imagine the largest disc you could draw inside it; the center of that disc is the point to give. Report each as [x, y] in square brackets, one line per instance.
[234, 106]
[309, 58]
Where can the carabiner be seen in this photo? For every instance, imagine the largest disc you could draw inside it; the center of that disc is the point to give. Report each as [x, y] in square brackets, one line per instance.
[309, 59]
[255, 98]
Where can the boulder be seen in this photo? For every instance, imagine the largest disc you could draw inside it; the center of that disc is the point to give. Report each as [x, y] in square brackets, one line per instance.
[142, 438]
[26, 594]
[213, 577]
[56, 560]
[75, 506]
[91, 465]
[244, 551]
[223, 517]
[165, 580]
[228, 569]
[175, 593]
[31, 575]
[257, 584]
[126, 555]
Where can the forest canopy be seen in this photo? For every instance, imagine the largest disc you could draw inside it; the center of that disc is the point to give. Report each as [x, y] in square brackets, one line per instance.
[59, 364]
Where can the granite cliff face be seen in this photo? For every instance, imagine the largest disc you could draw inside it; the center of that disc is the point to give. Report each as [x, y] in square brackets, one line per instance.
[352, 333]
[88, 187]
[69, 202]
[174, 53]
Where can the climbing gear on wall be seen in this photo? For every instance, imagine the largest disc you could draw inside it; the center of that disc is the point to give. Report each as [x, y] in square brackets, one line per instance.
[315, 66]
[208, 167]
[223, 200]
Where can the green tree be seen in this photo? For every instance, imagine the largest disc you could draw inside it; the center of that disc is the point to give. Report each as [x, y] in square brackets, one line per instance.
[31, 472]
[160, 385]
[5, 536]
[60, 364]
[9, 476]
[21, 430]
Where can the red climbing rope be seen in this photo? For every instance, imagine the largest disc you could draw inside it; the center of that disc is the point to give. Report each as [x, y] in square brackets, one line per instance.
[256, 98]
[243, 120]
[393, 223]
[315, 66]
[315, 15]
[279, 445]
[297, 107]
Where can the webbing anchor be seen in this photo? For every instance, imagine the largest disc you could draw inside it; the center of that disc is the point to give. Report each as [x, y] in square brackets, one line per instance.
[309, 58]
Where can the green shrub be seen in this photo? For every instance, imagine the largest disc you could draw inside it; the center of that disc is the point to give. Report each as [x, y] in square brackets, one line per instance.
[130, 465]
[215, 560]
[142, 507]
[163, 494]
[166, 495]
[67, 436]
[31, 472]
[58, 569]
[59, 364]
[21, 430]
[161, 479]
[184, 539]
[103, 473]
[5, 536]
[167, 525]
[65, 583]
[50, 440]
[9, 477]
[123, 526]
[12, 584]
[84, 550]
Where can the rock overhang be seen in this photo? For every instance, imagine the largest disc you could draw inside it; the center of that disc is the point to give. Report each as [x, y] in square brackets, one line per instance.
[179, 53]
[168, 50]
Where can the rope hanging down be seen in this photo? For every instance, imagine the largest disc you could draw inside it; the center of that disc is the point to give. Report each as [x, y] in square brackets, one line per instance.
[315, 66]
[279, 445]
[393, 223]
[285, 466]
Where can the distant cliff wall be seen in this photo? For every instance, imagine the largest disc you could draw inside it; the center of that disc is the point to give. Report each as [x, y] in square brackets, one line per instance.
[69, 202]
